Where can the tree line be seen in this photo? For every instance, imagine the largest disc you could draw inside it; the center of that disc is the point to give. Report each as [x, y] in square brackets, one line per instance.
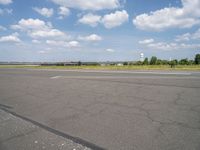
[155, 61]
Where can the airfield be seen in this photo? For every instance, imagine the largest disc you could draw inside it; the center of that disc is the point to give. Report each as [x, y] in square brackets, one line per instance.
[96, 109]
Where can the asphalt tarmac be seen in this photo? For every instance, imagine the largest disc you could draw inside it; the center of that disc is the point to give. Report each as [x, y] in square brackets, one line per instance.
[86, 109]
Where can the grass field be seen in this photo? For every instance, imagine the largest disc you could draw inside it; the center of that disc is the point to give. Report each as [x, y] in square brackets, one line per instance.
[132, 67]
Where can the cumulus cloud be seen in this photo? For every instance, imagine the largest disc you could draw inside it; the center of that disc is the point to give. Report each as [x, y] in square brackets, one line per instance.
[167, 46]
[172, 46]
[42, 52]
[188, 36]
[110, 50]
[146, 41]
[73, 44]
[183, 37]
[46, 33]
[109, 20]
[2, 28]
[163, 46]
[30, 24]
[170, 17]
[13, 38]
[90, 38]
[44, 11]
[36, 41]
[5, 2]
[63, 12]
[68, 44]
[90, 19]
[37, 28]
[115, 19]
[89, 4]
[6, 11]
[55, 43]
[191, 7]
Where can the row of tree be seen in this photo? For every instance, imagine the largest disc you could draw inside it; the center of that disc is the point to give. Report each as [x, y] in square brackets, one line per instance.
[155, 61]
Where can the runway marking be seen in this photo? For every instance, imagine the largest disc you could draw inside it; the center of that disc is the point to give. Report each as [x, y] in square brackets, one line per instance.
[56, 77]
[121, 77]
[117, 72]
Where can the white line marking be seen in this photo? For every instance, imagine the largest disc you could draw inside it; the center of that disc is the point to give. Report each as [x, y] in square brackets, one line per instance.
[126, 72]
[56, 77]
[125, 77]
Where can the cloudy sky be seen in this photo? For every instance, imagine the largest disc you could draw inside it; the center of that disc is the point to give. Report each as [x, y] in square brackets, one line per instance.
[98, 30]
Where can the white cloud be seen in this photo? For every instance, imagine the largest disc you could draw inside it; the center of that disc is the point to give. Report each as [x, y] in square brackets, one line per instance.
[73, 44]
[183, 37]
[57, 43]
[42, 52]
[92, 38]
[163, 46]
[37, 28]
[5, 11]
[46, 33]
[110, 50]
[2, 28]
[10, 38]
[168, 46]
[63, 12]
[170, 17]
[188, 36]
[44, 11]
[109, 20]
[30, 24]
[115, 19]
[196, 35]
[70, 44]
[36, 41]
[90, 19]
[89, 4]
[5, 2]
[146, 41]
[191, 7]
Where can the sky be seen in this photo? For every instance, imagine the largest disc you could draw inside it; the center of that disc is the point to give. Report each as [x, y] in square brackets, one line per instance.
[98, 30]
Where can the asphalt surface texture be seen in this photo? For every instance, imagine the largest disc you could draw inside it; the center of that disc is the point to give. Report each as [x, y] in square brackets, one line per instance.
[86, 109]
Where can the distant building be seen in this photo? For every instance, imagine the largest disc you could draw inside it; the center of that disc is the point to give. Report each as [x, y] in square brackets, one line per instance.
[119, 64]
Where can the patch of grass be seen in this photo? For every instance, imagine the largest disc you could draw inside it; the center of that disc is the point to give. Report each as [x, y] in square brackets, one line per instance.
[130, 67]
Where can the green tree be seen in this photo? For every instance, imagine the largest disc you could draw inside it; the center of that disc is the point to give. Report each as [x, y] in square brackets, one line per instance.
[125, 63]
[191, 62]
[146, 61]
[173, 63]
[159, 62]
[138, 63]
[79, 63]
[197, 59]
[184, 61]
[153, 60]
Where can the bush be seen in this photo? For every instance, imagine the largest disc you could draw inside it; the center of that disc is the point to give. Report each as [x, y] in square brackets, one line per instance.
[139, 63]
[197, 59]
[79, 63]
[125, 63]
[183, 62]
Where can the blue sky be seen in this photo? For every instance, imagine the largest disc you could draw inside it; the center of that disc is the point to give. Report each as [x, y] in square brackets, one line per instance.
[100, 30]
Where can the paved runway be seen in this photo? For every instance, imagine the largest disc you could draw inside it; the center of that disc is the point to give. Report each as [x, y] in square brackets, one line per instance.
[126, 110]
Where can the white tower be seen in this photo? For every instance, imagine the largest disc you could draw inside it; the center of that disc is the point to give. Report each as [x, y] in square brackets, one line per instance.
[141, 56]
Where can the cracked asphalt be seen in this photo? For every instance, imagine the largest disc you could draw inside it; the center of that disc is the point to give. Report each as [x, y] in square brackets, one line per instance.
[103, 110]
[17, 134]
